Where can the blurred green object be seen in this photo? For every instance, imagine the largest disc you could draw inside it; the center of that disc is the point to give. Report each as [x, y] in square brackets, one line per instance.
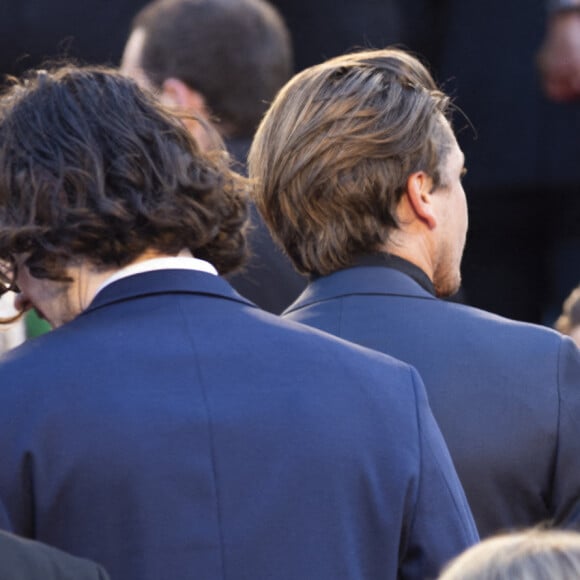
[35, 326]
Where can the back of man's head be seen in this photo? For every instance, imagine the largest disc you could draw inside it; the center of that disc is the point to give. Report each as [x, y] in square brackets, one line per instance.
[333, 154]
[235, 53]
[92, 168]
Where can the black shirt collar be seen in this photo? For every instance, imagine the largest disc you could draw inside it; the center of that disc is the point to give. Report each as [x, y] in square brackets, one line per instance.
[396, 263]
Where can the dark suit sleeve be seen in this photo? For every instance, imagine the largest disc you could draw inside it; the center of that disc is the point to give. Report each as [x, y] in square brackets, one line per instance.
[566, 480]
[442, 524]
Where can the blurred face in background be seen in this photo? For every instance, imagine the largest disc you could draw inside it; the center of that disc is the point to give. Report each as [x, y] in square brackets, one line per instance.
[174, 93]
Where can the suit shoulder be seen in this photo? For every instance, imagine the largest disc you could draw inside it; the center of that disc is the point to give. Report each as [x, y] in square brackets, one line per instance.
[499, 326]
[356, 367]
[317, 338]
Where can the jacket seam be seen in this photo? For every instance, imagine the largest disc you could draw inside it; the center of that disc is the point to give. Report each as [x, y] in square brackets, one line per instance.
[211, 440]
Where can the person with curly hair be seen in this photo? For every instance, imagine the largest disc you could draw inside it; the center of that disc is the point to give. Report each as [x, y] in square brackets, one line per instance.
[168, 428]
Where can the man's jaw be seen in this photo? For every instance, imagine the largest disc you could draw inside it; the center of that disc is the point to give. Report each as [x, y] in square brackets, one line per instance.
[23, 304]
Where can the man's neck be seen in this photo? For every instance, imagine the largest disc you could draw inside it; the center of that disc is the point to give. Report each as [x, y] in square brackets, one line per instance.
[183, 261]
[384, 259]
[89, 280]
[416, 256]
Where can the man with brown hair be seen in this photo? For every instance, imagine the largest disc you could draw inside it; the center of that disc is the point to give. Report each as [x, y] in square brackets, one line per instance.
[168, 428]
[358, 174]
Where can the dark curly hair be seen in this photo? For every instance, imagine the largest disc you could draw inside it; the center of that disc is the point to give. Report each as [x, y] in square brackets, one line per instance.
[92, 167]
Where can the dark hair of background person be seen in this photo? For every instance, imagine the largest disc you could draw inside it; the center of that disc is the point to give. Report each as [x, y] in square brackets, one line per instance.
[91, 167]
[346, 135]
[236, 53]
[529, 555]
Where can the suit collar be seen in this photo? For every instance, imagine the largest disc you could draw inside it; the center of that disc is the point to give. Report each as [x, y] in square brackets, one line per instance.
[165, 282]
[397, 263]
[360, 280]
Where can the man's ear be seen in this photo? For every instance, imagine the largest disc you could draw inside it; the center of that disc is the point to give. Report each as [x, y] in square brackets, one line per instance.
[419, 192]
[176, 94]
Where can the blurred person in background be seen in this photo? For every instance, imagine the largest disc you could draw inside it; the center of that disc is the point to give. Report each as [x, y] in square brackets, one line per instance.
[569, 321]
[559, 56]
[527, 555]
[221, 61]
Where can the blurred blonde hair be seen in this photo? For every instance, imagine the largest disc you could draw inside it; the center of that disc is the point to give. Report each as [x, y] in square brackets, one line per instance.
[535, 554]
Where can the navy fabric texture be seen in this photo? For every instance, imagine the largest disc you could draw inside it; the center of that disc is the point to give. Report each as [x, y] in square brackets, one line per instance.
[505, 394]
[174, 430]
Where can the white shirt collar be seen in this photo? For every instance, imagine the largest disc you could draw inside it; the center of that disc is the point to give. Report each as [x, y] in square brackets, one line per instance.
[165, 263]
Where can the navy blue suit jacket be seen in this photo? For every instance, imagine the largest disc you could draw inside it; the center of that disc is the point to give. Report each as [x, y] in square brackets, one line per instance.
[505, 394]
[174, 430]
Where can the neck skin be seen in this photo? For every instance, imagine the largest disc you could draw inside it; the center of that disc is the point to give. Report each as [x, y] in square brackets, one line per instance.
[413, 240]
[87, 280]
[61, 302]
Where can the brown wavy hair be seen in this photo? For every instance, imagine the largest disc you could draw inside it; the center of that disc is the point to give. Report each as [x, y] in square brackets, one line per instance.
[92, 167]
[332, 156]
